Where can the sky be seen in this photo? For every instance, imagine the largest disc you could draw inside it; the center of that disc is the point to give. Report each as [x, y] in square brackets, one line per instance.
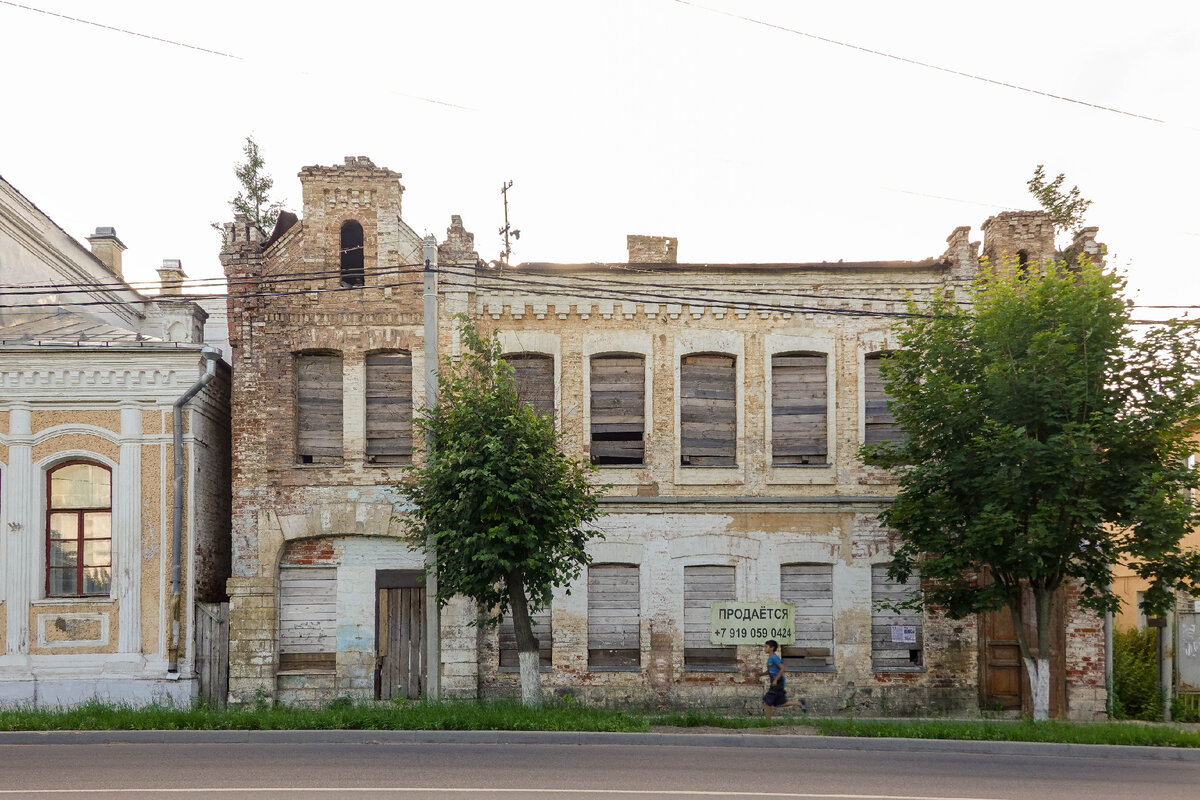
[787, 138]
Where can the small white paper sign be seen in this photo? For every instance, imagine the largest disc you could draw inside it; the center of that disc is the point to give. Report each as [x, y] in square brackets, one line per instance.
[904, 634]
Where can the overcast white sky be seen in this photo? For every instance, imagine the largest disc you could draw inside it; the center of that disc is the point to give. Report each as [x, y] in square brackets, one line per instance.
[747, 142]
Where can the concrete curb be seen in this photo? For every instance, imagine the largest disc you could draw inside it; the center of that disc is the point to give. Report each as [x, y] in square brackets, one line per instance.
[799, 742]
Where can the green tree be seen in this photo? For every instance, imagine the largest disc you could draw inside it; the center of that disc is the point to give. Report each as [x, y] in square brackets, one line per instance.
[1066, 209]
[1045, 444]
[505, 510]
[253, 198]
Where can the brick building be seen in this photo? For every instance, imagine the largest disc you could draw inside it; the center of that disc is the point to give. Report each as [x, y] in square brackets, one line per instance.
[725, 403]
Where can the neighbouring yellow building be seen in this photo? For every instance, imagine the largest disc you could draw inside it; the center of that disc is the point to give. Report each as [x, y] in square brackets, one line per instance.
[104, 549]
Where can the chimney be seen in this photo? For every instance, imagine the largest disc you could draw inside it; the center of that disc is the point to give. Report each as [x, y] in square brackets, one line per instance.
[171, 277]
[108, 248]
[652, 249]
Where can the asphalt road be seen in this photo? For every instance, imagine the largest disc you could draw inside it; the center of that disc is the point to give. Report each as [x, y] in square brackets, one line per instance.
[303, 770]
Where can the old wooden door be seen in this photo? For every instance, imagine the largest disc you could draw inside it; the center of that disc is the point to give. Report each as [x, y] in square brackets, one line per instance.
[399, 634]
[1003, 679]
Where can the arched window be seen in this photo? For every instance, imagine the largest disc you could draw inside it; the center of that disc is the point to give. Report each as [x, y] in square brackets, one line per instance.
[78, 530]
[352, 253]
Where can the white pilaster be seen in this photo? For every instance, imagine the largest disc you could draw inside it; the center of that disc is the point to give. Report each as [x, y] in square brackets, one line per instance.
[127, 532]
[22, 533]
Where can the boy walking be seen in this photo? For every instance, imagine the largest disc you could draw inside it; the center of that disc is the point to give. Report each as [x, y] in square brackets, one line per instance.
[776, 696]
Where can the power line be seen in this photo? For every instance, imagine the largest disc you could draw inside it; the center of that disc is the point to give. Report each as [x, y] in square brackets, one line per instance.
[198, 48]
[917, 63]
[535, 283]
[125, 31]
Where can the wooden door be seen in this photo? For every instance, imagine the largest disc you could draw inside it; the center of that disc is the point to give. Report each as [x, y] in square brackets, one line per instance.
[1003, 679]
[400, 635]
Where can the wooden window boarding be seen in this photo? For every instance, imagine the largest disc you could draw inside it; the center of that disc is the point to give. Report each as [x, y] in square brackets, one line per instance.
[880, 424]
[707, 411]
[703, 586]
[533, 375]
[897, 637]
[543, 632]
[389, 408]
[614, 616]
[307, 618]
[809, 587]
[319, 408]
[618, 409]
[799, 409]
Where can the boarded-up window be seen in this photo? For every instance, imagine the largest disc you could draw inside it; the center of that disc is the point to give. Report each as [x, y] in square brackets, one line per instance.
[799, 409]
[809, 587]
[618, 409]
[897, 637]
[707, 411]
[880, 424]
[389, 408]
[307, 618]
[703, 586]
[533, 374]
[319, 408]
[614, 616]
[542, 631]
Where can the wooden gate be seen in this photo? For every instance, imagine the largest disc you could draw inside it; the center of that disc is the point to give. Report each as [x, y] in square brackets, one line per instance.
[212, 652]
[1003, 679]
[399, 634]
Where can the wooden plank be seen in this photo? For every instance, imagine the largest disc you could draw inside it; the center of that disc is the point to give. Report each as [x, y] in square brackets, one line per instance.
[614, 612]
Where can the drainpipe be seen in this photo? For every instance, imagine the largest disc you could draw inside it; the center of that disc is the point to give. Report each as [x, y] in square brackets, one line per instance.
[211, 356]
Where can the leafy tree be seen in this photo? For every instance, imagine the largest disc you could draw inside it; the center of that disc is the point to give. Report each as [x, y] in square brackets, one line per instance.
[1045, 444]
[1066, 209]
[253, 199]
[506, 511]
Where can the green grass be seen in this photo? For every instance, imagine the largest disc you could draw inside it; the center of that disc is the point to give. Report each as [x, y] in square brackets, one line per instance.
[341, 715]
[503, 715]
[1023, 731]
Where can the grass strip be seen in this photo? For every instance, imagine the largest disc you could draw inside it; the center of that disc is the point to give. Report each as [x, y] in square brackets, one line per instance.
[1122, 733]
[448, 716]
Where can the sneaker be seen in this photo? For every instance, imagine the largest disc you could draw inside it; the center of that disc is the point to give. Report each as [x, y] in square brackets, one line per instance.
[803, 706]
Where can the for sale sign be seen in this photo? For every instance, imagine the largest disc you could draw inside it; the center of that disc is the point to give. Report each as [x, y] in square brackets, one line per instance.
[753, 623]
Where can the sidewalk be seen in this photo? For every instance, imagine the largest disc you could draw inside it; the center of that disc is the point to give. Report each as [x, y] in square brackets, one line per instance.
[798, 740]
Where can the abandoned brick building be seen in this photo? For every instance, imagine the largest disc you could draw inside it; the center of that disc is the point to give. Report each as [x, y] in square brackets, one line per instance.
[725, 403]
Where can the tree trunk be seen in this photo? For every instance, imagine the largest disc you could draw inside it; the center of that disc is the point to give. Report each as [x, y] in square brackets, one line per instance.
[527, 648]
[1037, 665]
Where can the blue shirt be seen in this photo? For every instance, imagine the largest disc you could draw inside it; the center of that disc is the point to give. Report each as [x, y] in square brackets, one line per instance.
[774, 665]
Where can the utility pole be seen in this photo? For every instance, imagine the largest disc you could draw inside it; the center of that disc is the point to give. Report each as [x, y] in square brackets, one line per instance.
[507, 229]
[433, 622]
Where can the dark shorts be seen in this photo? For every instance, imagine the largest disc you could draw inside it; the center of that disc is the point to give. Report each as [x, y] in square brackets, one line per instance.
[775, 696]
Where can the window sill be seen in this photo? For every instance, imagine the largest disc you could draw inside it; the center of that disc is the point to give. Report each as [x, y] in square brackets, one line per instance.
[92, 599]
[701, 668]
[615, 669]
[307, 672]
[793, 670]
[338, 465]
[517, 670]
[887, 670]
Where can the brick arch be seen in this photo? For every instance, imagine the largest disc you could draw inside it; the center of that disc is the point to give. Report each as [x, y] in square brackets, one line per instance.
[326, 520]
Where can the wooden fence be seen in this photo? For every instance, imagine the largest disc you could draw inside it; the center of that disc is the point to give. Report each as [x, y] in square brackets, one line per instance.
[212, 652]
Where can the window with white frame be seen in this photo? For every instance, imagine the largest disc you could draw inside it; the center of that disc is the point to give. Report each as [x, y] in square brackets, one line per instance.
[79, 530]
